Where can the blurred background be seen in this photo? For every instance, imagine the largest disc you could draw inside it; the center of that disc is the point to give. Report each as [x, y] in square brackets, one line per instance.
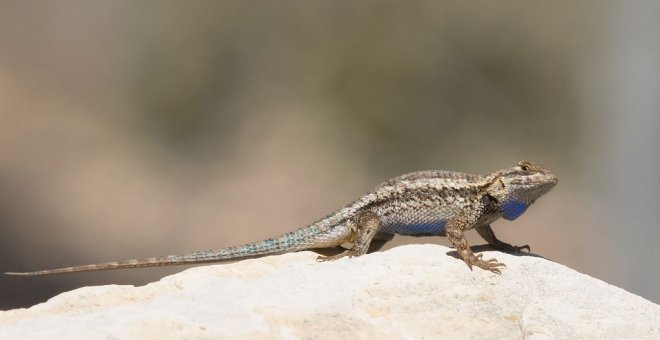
[141, 128]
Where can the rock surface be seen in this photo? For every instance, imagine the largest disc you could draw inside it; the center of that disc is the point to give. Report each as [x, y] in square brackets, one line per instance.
[414, 291]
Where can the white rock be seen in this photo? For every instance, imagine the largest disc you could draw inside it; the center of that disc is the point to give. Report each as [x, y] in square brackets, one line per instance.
[414, 291]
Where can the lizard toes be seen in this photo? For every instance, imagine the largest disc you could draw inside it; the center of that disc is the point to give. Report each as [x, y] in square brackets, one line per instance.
[492, 265]
[347, 253]
[492, 261]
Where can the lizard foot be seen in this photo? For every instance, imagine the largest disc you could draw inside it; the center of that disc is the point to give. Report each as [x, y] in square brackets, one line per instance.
[517, 249]
[349, 253]
[492, 264]
[512, 249]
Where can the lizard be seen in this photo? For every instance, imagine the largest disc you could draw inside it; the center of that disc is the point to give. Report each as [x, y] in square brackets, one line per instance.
[422, 203]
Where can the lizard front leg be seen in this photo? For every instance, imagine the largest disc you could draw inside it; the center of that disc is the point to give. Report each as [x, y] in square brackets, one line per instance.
[487, 234]
[455, 233]
[363, 227]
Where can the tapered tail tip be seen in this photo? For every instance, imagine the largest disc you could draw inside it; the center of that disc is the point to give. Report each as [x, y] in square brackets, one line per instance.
[19, 274]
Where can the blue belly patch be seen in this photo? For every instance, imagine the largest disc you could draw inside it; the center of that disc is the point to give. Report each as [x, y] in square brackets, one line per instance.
[512, 209]
[417, 229]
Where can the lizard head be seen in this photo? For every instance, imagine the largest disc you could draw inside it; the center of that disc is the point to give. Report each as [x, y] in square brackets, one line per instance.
[519, 186]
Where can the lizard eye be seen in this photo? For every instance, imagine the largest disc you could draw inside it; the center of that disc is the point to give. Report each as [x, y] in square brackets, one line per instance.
[525, 166]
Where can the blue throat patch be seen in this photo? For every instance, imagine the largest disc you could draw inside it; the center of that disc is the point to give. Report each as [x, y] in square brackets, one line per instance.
[512, 209]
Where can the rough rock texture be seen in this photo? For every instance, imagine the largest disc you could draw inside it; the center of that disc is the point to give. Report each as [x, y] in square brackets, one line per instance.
[415, 291]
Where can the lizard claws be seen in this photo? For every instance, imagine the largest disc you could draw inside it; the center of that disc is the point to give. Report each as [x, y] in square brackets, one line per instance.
[491, 264]
[347, 253]
[507, 248]
[520, 248]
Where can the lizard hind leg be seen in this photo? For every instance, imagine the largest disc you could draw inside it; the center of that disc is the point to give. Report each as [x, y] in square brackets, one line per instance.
[378, 241]
[363, 228]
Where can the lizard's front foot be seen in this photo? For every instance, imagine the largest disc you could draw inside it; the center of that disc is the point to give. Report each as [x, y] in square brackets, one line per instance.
[505, 247]
[517, 249]
[350, 253]
[493, 265]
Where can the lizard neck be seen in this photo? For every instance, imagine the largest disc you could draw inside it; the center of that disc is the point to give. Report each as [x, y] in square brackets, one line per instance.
[508, 204]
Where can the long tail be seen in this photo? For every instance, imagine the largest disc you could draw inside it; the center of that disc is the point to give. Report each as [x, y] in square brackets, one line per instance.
[301, 239]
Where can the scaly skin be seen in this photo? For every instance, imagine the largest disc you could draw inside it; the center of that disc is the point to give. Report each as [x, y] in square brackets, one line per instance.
[424, 203]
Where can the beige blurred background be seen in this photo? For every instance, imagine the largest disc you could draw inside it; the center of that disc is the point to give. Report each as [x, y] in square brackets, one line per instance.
[141, 128]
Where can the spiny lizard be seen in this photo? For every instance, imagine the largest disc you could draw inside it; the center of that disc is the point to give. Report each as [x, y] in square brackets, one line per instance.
[423, 203]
